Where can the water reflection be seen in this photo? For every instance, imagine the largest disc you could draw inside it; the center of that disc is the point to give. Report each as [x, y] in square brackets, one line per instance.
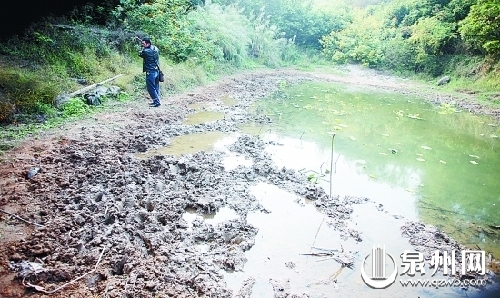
[203, 117]
[443, 157]
[187, 144]
[347, 176]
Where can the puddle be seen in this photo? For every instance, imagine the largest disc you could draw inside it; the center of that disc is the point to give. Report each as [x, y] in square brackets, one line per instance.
[208, 141]
[253, 128]
[232, 160]
[292, 229]
[228, 100]
[187, 144]
[224, 214]
[203, 117]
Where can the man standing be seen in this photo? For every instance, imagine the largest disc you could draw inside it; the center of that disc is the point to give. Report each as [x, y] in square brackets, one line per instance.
[150, 65]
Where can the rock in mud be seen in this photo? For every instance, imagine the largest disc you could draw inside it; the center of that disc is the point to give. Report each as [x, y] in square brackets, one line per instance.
[32, 172]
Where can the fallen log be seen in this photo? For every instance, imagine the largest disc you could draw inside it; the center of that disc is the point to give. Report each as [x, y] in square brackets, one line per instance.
[63, 98]
[90, 87]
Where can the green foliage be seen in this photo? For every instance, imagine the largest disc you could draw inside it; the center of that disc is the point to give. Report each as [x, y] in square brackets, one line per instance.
[298, 21]
[167, 22]
[430, 35]
[123, 96]
[360, 42]
[46, 109]
[25, 90]
[222, 32]
[55, 54]
[266, 45]
[416, 36]
[481, 28]
[75, 107]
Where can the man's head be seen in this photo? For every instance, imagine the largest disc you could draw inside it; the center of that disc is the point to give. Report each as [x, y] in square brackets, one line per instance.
[146, 42]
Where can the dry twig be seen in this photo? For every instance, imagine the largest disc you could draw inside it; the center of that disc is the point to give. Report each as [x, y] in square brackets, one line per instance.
[42, 289]
[21, 219]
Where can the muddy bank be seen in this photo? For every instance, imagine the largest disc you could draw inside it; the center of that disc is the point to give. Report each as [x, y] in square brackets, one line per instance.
[96, 213]
[463, 100]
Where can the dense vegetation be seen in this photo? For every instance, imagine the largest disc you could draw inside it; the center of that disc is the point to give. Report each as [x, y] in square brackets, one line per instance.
[200, 41]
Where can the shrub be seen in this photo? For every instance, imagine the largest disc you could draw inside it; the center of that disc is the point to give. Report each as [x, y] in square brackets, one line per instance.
[75, 107]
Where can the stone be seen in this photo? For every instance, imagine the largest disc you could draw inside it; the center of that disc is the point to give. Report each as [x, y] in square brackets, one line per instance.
[444, 80]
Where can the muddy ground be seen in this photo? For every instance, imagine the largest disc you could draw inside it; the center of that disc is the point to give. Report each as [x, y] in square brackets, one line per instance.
[97, 221]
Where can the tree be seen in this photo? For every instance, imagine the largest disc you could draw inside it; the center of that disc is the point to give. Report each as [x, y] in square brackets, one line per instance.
[481, 28]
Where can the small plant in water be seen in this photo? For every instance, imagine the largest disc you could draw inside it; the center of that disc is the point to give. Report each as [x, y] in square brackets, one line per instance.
[447, 108]
[281, 94]
[312, 178]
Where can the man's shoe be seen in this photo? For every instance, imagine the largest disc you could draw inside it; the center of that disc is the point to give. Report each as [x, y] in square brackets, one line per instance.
[155, 105]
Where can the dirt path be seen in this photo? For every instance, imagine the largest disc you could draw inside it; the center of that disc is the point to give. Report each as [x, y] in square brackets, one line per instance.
[100, 221]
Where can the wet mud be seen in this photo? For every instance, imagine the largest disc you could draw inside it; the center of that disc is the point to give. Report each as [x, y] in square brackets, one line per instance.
[84, 216]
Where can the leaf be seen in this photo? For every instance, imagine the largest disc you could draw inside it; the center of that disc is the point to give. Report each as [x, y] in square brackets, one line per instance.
[443, 162]
[474, 156]
[420, 159]
[352, 138]
[473, 162]
[425, 147]
[414, 116]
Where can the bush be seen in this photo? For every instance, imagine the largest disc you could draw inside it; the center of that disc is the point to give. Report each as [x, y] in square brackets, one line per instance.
[26, 90]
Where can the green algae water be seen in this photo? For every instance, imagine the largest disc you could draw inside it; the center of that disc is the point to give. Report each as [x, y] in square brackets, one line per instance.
[448, 159]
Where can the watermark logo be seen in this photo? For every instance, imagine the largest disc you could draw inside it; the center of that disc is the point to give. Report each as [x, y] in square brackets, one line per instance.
[379, 278]
[413, 263]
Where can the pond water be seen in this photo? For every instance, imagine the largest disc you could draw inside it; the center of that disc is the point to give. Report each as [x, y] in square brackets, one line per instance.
[444, 162]
[419, 162]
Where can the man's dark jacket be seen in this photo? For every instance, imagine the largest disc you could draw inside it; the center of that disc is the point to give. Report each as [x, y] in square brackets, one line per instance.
[150, 57]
